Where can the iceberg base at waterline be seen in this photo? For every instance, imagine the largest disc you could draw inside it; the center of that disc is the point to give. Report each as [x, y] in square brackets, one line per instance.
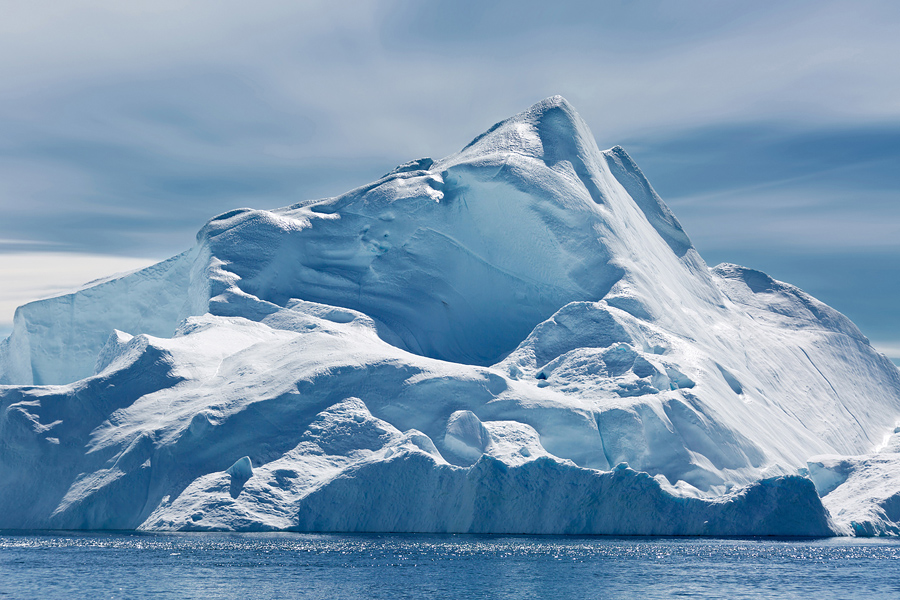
[518, 338]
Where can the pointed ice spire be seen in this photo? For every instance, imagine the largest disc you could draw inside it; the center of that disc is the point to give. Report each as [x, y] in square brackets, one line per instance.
[550, 129]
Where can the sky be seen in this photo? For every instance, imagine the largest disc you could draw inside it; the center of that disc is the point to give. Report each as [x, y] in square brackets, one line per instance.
[772, 129]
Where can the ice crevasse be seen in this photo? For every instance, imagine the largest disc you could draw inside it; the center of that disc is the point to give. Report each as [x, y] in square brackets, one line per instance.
[517, 338]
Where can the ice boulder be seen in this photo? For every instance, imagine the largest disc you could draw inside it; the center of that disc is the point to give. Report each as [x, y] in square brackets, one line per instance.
[466, 436]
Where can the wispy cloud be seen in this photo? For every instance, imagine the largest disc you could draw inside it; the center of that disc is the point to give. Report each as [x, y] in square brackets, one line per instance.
[781, 186]
[12, 243]
[890, 349]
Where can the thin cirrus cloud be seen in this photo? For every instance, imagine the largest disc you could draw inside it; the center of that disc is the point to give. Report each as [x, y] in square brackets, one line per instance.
[771, 128]
[820, 188]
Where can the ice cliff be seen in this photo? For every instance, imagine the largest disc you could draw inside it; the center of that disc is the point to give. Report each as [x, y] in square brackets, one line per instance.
[519, 337]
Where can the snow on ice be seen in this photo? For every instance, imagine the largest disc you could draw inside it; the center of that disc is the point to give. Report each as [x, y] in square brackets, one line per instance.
[516, 338]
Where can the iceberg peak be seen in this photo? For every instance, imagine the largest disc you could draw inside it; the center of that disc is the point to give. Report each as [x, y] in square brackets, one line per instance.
[550, 129]
[433, 251]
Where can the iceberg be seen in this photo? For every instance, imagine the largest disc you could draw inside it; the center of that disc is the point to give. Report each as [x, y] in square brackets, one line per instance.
[518, 338]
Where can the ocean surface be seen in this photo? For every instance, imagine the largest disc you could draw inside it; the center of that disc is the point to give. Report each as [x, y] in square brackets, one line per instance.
[284, 565]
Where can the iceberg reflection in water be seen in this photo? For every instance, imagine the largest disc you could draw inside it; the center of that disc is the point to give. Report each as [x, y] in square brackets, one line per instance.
[284, 565]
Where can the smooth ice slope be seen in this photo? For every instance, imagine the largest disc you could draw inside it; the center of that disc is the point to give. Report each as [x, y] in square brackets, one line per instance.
[519, 338]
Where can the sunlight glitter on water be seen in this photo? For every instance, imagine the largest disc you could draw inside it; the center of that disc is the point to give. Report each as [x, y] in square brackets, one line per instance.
[128, 565]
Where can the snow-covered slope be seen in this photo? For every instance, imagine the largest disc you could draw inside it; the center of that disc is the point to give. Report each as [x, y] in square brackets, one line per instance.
[519, 337]
[862, 492]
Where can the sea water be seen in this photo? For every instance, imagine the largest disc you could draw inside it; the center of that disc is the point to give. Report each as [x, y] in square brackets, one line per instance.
[286, 565]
